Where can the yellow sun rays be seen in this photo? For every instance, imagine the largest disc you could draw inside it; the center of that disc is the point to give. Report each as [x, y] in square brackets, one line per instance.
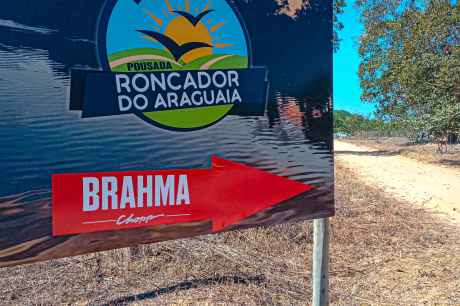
[222, 45]
[170, 9]
[207, 6]
[156, 19]
[169, 5]
[187, 6]
[216, 27]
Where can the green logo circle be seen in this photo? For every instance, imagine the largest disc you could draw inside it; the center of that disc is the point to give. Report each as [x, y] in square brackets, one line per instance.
[177, 36]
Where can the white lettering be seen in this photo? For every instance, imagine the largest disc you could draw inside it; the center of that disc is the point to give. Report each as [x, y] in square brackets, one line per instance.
[109, 192]
[122, 81]
[90, 194]
[183, 195]
[194, 100]
[170, 84]
[156, 82]
[144, 87]
[209, 101]
[140, 102]
[164, 194]
[215, 78]
[233, 78]
[124, 103]
[160, 102]
[185, 100]
[127, 193]
[144, 190]
[190, 82]
[172, 99]
[236, 98]
[204, 80]
[220, 97]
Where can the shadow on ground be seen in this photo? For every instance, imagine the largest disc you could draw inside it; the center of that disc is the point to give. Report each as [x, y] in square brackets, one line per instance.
[369, 153]
[448, 162]
[187, 285]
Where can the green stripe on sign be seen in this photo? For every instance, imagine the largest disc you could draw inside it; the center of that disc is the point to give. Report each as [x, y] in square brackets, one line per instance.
[190, 118]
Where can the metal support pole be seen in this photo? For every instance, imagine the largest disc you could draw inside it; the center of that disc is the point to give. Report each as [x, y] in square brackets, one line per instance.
[320, 262]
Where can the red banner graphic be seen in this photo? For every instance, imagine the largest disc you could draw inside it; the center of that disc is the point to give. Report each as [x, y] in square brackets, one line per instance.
[226, 194]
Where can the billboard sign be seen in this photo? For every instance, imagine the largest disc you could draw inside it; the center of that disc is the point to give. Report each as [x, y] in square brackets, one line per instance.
[129, 121]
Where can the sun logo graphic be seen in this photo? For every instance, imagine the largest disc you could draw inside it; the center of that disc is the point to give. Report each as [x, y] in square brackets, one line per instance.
[154, 35]
[181, 65]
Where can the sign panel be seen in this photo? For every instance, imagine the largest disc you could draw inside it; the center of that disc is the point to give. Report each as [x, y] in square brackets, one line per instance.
[130, 121]
[84, 203]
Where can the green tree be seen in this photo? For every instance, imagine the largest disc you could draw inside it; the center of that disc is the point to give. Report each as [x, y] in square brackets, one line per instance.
[410, 55]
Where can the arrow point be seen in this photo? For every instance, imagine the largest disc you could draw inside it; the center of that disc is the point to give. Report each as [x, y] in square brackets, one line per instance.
[251, 191]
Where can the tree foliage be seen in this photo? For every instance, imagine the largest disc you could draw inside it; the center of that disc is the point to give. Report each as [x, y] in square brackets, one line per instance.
[350, 124]
[410, 55]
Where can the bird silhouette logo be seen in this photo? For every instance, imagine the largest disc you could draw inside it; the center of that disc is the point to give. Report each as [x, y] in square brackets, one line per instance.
[176, 50]
[193, 19]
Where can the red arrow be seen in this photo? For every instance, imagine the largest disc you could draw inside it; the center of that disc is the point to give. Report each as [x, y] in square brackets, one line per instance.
[227, 193]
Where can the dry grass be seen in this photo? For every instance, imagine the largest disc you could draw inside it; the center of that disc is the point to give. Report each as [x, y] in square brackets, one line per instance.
[421, 152]
[383, 252]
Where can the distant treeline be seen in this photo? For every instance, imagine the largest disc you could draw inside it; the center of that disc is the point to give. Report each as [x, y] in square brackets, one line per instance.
[349, 124]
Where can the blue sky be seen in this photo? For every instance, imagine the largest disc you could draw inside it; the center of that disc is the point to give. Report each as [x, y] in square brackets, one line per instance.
[347, 91]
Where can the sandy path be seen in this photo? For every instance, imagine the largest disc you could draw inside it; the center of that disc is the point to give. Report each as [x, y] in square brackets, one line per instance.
[430, 186]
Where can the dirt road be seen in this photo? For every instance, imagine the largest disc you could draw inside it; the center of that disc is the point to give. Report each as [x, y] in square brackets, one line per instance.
[429, 186]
